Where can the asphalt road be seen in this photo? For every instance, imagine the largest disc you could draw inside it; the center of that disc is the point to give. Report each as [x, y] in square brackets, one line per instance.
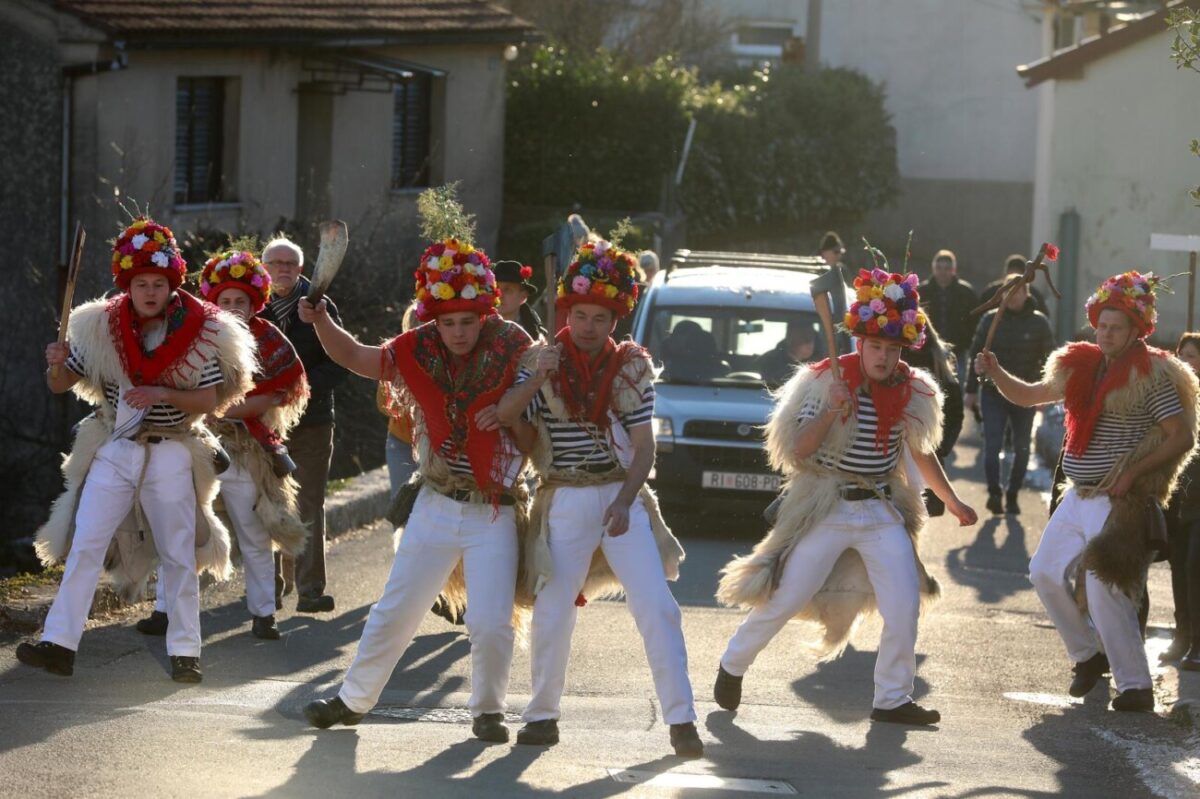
[988, 660]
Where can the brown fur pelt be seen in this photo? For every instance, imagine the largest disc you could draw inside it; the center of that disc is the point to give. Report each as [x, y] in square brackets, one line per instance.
[1119, 555]
[275, 504]
[810, 494]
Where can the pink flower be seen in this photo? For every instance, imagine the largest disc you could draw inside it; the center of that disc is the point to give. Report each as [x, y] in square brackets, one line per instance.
[580, 284]
[879, 276]
[912, 280]
[878, 306]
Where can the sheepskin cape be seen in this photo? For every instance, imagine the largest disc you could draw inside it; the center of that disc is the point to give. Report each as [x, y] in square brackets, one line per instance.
[810, 494]
[1120, 555]
[631, 384]
[131, 556]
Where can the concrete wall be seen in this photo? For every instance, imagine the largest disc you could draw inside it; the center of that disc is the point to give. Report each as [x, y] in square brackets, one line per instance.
[1120, 157]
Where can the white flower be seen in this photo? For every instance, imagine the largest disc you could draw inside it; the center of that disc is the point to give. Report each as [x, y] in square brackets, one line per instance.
[160, 258]
[434, 263]
[139, 241]
[602, 247]
[469, 292]
[893, 291]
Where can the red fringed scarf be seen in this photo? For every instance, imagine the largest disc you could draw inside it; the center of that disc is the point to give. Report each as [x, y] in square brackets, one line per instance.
[184, 317]
[450, 394]
[891, 398]
[280, 370]
[585, 383]
[1087, 388]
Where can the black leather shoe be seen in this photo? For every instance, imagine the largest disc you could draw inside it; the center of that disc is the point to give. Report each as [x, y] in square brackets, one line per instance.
[908, 713]
[727, 690]
[154, 624]
[324, 713]
[1135, 700]
[185, 669]
[995, 504]
[686, 740]
[1178, 648]
[314, 604]
[539, 733]
[1087, 674]
[264, 627]
[1011, 506]
[490, 727]
[45, 655]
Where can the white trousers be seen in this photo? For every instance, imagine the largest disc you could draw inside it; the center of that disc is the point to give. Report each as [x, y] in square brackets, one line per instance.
[439, 533]
[169, 503]
[1114, 625]
[240, 495]
[874, 529]
[576, 531]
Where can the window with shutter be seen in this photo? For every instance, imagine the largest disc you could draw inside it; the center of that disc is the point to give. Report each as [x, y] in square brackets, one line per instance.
[199, 134]
[410, 132]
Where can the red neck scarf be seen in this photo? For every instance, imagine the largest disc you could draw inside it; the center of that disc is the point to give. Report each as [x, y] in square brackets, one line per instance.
[585, 382]
[1087, 386]
[890, 398]
[184, 317]
[450, 394]
[280, 370]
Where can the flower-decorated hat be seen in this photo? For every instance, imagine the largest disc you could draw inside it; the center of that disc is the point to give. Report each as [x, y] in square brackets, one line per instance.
[453, 277]
[1131, 293]
[236, 270]
[887, 306]
[515, 272]
[147, 248]
[603, 275]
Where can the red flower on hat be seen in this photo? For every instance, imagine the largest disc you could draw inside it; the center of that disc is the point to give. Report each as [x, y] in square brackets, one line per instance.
[526, 272]
[1051, 251]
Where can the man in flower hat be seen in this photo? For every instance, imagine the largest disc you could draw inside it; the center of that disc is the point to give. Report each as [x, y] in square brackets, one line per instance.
[448, 373]
[595, 527]
[1131, 427]
[516, 294]
[257, 489]
[845, 540]
[140, 479]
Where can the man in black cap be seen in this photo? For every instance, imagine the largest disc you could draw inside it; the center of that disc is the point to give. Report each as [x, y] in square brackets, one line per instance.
[516, 292]
[832, 250]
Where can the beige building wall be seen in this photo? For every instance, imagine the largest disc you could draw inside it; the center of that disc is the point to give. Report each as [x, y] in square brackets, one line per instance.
[1120, 157]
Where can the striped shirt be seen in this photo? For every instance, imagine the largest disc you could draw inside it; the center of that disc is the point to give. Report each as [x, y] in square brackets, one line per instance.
[159, 414]
[576, 445]
[511, 465]
[1115, 435]
[862, 457]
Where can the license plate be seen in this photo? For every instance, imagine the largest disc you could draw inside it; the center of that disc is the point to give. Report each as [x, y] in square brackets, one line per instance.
[741, 481]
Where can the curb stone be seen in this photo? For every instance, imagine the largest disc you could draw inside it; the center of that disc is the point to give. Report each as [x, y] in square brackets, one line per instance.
[363, 500]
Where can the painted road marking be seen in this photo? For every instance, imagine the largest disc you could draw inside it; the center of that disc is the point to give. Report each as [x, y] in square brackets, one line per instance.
[710, 781]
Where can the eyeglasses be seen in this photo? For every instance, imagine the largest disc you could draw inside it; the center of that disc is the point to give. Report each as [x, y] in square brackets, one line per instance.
[278, 264]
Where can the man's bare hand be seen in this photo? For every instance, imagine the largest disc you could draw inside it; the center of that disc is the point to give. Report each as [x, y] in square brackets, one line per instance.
[310, 314]
[986, 363]
[487, 418]
[838, 395]
[547, 360]
[616, 518]
[57, 354]
[145, 396]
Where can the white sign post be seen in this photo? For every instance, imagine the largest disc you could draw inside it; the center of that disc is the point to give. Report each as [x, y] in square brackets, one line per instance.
[1190, 244]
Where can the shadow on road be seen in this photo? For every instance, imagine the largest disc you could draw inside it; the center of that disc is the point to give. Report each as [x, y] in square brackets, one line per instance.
[857, 771]
[995, 569]
[850, 675]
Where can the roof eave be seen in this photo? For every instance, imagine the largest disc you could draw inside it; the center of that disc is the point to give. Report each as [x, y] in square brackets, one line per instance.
[308, 39]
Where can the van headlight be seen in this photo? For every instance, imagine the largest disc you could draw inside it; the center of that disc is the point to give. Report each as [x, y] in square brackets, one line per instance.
[664, 433]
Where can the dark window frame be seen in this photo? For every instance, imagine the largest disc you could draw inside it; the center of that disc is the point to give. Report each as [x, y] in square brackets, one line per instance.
[199, 139]
[412, 129]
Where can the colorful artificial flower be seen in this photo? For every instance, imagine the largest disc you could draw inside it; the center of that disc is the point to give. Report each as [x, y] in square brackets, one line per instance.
[603, 275]
[887, 306]
[236, 269]
[133, 255]
[1133, 294]
[454, 276]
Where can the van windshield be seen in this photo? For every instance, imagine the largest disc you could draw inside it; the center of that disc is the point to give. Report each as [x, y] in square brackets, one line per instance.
[703, 345]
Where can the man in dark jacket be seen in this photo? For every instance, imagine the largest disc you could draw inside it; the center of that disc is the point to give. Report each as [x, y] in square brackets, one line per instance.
[517, 293]
[948, 301]
[1014, 265]
[1023, 341]
[311, 441]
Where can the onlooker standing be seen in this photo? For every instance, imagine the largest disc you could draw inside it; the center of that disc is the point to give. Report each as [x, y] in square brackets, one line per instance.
[1014, 265]
[947, 301]
[798, 346]
[311, 441]
[1023, 341]
[1183, 527]
[648, 262]
[831, 248]
[516, 295]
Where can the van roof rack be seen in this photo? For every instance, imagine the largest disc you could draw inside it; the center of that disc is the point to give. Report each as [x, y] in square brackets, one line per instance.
[688, 259]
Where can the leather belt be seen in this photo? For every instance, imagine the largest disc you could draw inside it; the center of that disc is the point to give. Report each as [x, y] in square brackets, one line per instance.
[855, 494]
[463, 495]
[154, 439]
[594, 468]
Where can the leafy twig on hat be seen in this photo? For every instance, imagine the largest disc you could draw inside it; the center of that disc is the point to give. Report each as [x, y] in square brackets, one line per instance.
[442, 215]
[623, 229]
